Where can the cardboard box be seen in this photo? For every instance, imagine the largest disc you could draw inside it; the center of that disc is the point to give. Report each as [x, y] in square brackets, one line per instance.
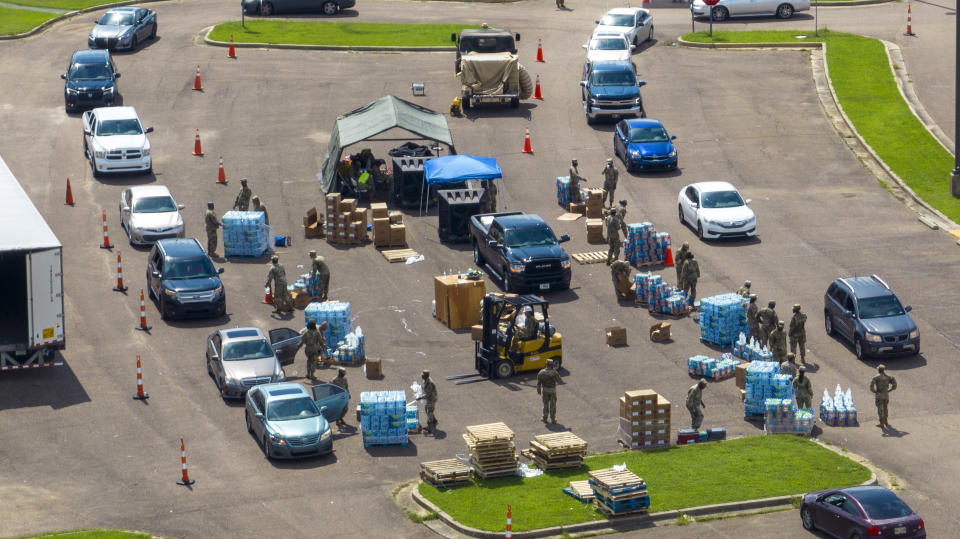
[740, 372]
[373, 368]
[333, 203]
[359, 215]
[660, 332]
[395, 217]
[577, 207]
[594, 195]
[641, 398]
[379, 210]
[594, 210]
[616, 336]
[476, 332]
[313, 224]
[458, 300]
[348, 205]
[594, 230]
[358, 413]
[398, 235]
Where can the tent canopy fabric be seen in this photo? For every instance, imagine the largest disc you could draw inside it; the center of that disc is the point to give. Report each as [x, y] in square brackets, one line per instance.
[455, 168]
[375, 118]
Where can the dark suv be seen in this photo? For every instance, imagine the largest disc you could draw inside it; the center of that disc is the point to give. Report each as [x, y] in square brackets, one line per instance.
[868, 313]
[91, 80]
[183, 281]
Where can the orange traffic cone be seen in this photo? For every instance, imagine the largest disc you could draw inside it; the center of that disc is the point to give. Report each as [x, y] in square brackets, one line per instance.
[668, 259]
[509, 532]
[267, 296]
[909, 31]
[143, 315]
[106, 235]
[197, 150]
[120, 287]
[184, 476]
[69, 201]
[221, 177]
[140, 395]
[536, 92]
[232, 53]
[539, 49]
[196, 81]
[527, 148]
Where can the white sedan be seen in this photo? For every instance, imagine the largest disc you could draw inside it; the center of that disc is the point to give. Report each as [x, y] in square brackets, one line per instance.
[148, 213]
[634, 23]
[608, 48]
[716, 210]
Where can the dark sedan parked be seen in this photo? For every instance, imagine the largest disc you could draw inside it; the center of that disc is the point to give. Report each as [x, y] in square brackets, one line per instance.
[123, 28]
[272, 7]
[860, 512]
[91, 80]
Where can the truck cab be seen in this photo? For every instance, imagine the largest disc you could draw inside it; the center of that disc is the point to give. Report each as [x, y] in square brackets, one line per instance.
[521, 250]
[611, 89]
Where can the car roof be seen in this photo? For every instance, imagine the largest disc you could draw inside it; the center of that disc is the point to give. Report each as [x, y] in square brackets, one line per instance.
[624, 11]
[141, 191]
[709, 187]
[283, 390]
[91, 56]
[644, 122]
[239, 334]
[115, 113]
[180, 247]
[868, 286]
[123, 9]
[612, 65]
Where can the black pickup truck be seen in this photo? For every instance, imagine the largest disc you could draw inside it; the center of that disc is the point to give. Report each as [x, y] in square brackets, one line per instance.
[521, 250]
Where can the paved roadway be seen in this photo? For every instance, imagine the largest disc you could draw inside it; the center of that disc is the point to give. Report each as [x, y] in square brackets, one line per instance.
[78, 452]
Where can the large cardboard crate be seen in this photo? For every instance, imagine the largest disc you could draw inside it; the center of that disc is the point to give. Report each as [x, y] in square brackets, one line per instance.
[398, 235]
[616, 336]
[741, 375]
[594, 230]
[458, 300]
[379, 210]
[381, 231]
[348, 205]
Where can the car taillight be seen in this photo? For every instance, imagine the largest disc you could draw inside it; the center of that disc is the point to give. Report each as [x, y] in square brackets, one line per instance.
[873, 531]
[920, 526]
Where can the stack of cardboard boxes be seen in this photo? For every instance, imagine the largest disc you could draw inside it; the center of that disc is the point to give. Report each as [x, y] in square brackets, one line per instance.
[345, 223]
[388, 227]
[594, 230]
[458, 300]
[313, 224]
[644, 420]
[594, 200]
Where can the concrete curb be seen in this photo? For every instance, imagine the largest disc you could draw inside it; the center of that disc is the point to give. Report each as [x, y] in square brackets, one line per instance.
[71, 14]
[880, 169]
[628, 523]
[342, 48]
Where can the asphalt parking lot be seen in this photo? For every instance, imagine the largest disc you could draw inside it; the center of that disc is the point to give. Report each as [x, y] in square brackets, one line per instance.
[78, 452]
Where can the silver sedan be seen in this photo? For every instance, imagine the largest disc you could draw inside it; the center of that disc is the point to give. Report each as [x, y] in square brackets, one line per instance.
[149, 213]
[241, 358]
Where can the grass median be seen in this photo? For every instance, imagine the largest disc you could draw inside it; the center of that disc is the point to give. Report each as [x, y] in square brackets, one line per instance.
[867, 90]
[94, 534]
[338, 33]
[677, 478]
[18, 21]
[66, 5]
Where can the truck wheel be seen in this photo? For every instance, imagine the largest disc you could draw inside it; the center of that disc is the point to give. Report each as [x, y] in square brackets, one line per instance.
[515, 103]
[465, 102]
[504, 369]
[507, 287]
[477, 257]
[558, 361]
[526, 83]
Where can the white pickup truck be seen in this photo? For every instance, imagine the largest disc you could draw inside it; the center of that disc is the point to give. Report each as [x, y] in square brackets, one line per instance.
[115, 141]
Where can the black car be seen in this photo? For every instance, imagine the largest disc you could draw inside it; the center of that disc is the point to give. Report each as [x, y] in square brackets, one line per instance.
[272, 7]
[865, 311]
[860, 512]
[91, 80]
[183, 281]
[123, 28]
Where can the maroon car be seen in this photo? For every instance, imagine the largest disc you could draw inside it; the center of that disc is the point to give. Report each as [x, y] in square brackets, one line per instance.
[860, 512]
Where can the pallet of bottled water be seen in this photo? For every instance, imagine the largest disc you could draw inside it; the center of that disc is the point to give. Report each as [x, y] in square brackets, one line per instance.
[644, 283]
[383, 417]
[750, 350]
[667, 299]
[781, 416]
[838, 410]
[337, 316]
[350, 350]
[563, 191]
[708, 367]
[644, 245]
[245, 233]
[764, 381]
[722, 319]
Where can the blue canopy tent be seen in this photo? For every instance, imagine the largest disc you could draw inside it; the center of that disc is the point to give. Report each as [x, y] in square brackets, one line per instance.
[458, 168]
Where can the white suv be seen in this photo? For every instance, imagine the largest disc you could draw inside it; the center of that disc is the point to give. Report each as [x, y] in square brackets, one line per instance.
[114, 141]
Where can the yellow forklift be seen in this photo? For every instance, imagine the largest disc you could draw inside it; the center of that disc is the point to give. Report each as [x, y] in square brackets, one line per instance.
[498, 354]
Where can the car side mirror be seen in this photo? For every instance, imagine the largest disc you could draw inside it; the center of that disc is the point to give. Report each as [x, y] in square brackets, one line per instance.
[673, 137]
[219, 271]
[63, 76]
[258, 415]
[583, 46]
[633, 47]
[86, 130]
[492, 244]
[848, 313]
[641, 83]
[516, 37]
[453, 37]
[748, 201]
[148, 130]
[180, 206]
[564, 237]
[907, 309]
[583, 83]
[323, 409]
[116, 75]
[125, 209]
[155, 274]
[597, 21]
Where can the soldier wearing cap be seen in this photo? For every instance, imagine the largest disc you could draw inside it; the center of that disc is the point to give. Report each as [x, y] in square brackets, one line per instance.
[803, 390]
[745, 289]
[242, 201]
[211, 223]
[528, 331]
[695, 403]
[429, 399]
[610, 177]
[341, 381]
[768, 321]
[680, 257]
[623, 285]
[258, 206]
[798, 333]
[789, 367]
[881, 386]
[689, 276]
[753, 317]
[281, 296]
[547, 380]
[614, 226]
[321, 272]
[314, 345]
[778, 343]
[575, 179]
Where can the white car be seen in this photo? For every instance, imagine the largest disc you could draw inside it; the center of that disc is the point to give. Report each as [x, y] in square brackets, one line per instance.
[634, 23]
[782, 9]
[608, 48]
[149, 213]
[716, 210]
[114, 141]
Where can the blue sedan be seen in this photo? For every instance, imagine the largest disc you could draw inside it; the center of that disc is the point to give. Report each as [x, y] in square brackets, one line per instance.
[293, 422]
[644, 144]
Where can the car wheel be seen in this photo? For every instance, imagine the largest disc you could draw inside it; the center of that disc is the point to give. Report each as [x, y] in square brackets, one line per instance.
[266, 448]
[477, 257]
[636, 42]
[558, 362]
[858, 348]
[680, 214]
[650, 35]
[720, 14]
[828, 323]
[153, 32]
[806, 517]
[220, 388]
[784, 11]
[163, 309]
[246, 417]
[856, 535]
[133, 44]
[700, 230]
[329, 8]
[267, 9]
[643, 113]
[589, 120]
[93, 168]
[504, 369]
[209, 370]
[150, 293]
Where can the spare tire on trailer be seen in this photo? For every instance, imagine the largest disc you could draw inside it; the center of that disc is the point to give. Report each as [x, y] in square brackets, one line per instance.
[526, 83]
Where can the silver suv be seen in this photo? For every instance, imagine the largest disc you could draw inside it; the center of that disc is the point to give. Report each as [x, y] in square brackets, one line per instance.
[865, 311]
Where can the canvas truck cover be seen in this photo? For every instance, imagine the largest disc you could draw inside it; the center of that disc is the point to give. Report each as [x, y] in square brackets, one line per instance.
[487, 74]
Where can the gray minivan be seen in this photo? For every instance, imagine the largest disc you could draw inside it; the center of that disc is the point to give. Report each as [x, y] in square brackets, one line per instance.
[866, 312]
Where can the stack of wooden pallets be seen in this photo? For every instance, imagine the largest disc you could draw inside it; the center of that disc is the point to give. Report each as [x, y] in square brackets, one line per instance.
[445, 473]
[558, 450]
[492, 450]
[619, 493]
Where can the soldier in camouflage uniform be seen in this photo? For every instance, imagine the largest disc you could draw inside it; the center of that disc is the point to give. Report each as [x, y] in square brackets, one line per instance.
[695, 403]
[753, 317]
[881, 386]
[281, 296]
[688, 278]
[680, 258]
[798, 333]
[547, 380]
[745, 289]
[311, 339]
[622, 284]
[258, 206]
[341, 381]
[320, 269]
[802, 389]
[430, 401]
[614, 226]
[622, 210]
[768, 321]
[211, 223]
[610, 177]
[242, 202]
[789, 367]
[575, 179]
[778, 343]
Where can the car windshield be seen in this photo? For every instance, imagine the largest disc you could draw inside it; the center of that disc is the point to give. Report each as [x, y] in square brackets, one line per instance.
[119, 19]
[722, 199]
[879, 307]
[612, 78]
[530, 236]
[649, 134]
[154, 205]
[196, 268]
[241, 350]
[129, 126]
[90, 72]
[292, 409]
[608, 44]
[616, 20]
[883, 504]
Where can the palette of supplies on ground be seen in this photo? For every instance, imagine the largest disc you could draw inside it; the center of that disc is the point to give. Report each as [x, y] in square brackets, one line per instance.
[708, 367]
[838, 410]
[245, 233]
[644, 245]
[383, 417]
[644, 420]
[781, 416]
[723, 318]
[764, 381]
[493, 452]
[619, 492]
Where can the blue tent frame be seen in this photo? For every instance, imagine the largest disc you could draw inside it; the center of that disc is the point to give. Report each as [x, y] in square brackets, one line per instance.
[458, 168]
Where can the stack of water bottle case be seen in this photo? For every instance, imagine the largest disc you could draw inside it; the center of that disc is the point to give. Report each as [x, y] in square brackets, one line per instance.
[644, 420]
[383, 417]
[750, 350]
[783, 416]
[838, 410]
[245, 233]
[723, 318]
[344, 344]
[644, 245]
[764, 381]
[660, 297]
[708, 367]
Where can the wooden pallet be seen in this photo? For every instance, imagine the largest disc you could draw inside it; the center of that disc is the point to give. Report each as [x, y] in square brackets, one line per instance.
[612, 479]
[554, 464]
[491, 432]
[581, 490]
[504, 472]
[611, 514]
[559, 443]
[445, 473]
[398, 255]
[594, 257]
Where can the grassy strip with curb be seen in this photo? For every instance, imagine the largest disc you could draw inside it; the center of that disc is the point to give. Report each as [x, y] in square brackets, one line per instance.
[677, 478]
[276, 32]
[66, 5]
[18, 21]
[865, 86]
[94, 534]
